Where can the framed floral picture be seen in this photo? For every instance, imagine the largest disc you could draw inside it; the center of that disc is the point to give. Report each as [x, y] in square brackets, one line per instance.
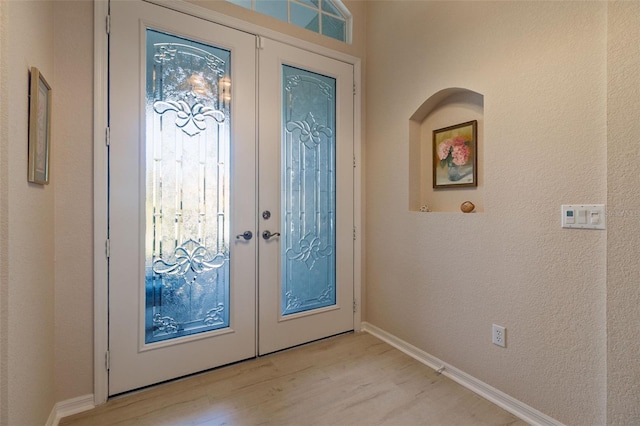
[39, 128]
[455, 163]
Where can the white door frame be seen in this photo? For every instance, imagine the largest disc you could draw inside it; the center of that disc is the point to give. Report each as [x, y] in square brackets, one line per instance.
[100, 156]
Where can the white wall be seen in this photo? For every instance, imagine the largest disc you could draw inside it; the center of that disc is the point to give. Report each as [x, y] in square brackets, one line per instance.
[439, 280]
[29, 234]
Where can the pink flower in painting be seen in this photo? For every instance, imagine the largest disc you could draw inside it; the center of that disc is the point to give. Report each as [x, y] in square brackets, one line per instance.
[458, 140]
[444, 149]
[454, 151]
[460, 154]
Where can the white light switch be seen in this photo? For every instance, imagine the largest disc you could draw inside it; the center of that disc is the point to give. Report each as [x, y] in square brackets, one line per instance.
[583, 216]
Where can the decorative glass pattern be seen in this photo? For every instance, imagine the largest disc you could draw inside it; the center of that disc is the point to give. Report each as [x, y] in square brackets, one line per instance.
[187, 187]
[327, 17]
[308, 191]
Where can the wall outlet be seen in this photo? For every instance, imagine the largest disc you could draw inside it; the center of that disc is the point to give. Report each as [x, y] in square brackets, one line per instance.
[499, 335]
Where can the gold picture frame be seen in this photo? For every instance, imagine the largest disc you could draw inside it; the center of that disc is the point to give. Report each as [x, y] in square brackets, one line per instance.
[39, 128]
[455, 159]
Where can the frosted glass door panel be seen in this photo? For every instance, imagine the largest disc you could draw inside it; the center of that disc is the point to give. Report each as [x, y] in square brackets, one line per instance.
[308, 191]
[187, 181]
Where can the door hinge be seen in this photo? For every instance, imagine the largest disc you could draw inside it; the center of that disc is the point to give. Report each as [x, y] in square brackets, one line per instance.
[108, 24]
[355, 307]
[107, 136]
[107, 248]
[354, 89]
[354, 161]
[354, 233]
[259, 43]
[107, 360]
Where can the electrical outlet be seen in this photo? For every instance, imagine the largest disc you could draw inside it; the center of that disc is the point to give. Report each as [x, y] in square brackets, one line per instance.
[499, 335]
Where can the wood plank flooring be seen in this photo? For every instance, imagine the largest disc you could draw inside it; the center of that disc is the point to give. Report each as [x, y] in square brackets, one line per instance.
[352, 379]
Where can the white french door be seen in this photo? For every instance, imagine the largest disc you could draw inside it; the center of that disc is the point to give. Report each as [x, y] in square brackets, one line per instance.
[182, 185]
[306, 179]
[230, 196]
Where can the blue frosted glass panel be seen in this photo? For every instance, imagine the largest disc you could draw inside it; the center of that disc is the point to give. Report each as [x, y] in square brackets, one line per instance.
[328, 7]
[308, 191]
[274, 8]
[332, 27]
[244, 3]
[303, 13]
[304, 17]
[311, 3]
[187, 187]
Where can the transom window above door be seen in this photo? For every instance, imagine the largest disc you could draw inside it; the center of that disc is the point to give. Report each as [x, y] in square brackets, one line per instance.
[327, 17]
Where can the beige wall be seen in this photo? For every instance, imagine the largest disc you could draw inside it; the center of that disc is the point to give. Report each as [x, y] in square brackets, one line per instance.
[4, 195]
[439, 280]
[623, 268]
[73, 168]
[30, 385]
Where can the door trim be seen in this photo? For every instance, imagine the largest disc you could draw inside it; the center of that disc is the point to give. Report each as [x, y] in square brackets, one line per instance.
[100, 158]
[100, 204]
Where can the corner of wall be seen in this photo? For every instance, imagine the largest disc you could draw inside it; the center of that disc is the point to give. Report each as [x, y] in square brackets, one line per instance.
[623, 211]
[3, 217]
[73, 166]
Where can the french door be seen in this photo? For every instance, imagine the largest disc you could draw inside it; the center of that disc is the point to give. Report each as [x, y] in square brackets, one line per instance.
[230, 196]
[306, 179]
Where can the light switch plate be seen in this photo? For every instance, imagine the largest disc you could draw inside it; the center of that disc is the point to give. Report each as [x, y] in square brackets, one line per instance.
[584, 216]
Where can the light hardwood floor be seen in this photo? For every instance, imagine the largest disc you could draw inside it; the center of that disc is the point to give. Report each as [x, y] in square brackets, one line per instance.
[352, 379]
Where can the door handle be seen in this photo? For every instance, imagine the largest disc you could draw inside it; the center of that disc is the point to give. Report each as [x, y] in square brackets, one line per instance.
[267, 234]
[247, 235]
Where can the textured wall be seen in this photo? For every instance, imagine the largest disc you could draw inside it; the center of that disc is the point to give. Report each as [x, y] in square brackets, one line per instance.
[4, 206]
[73, 165]
[439, 280]
[30, 241]
[623, 268]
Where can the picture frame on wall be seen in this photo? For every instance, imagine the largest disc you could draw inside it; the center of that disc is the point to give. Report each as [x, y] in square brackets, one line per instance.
[455, 159]
[39, 128]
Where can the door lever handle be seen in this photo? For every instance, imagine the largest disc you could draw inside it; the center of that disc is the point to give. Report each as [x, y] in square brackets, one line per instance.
[247, 235]
[267, 234]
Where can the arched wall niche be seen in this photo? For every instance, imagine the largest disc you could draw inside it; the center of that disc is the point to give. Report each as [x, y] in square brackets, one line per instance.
[445, 108]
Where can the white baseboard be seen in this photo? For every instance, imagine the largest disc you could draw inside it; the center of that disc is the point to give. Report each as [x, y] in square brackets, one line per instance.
[70, 407]
[501, 399]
